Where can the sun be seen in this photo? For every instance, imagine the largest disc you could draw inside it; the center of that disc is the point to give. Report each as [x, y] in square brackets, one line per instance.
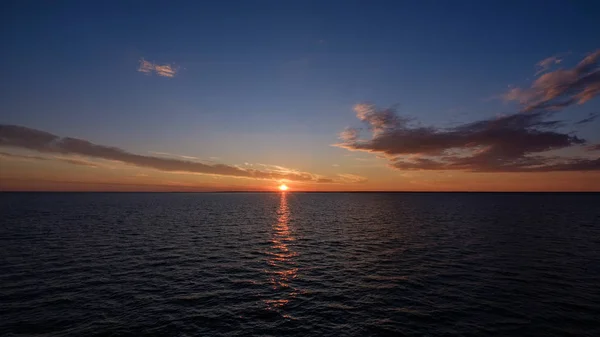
[283, 187]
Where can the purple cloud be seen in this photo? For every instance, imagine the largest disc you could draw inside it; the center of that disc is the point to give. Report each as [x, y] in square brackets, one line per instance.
[590, 118]
[512, 143]
[44, 142]
[73, 161]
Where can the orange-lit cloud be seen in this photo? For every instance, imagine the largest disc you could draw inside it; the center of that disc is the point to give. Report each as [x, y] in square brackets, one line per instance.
[562, 87]
[165, 70]
[44, 142]
[352, 178]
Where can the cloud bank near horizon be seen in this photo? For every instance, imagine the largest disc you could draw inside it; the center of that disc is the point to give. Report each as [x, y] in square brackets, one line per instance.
[44, 142]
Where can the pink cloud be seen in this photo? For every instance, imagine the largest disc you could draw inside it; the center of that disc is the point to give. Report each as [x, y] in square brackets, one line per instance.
[561, 88]
[164, 70]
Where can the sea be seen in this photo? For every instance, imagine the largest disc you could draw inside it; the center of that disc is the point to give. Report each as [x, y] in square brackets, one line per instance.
[299, 264]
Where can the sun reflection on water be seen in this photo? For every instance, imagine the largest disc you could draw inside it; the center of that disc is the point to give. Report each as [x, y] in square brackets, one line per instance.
[282, 267]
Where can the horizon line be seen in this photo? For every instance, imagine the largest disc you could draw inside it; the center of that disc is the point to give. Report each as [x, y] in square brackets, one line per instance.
[287, 192]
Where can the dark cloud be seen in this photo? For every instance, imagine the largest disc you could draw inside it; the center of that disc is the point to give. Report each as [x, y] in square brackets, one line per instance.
[76, 162]
[590, 118]
[44, 142]
[561, 88]
[19, 157]
[512, 143]
[73, 161]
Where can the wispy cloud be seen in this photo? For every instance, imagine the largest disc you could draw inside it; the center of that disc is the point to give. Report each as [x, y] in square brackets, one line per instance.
[351, 178]
[20, 157]
[547, 63]
[44, 142]
[349, 134]
[511, 143]
[165, 70]
[173, 155]
[561, 88]
[590, 118]
[74, 161]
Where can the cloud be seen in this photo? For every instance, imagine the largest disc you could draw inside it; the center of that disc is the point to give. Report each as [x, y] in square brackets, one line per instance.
[378, 120]
[561, 88]
[352, 178]
[349, 134]
[21, 157]
[511, 143]
[590, 118]
[174, 155]
[547, 63]
[188, 158]
[73, 161]
[165, 70]
[44, 142]
[594, 147]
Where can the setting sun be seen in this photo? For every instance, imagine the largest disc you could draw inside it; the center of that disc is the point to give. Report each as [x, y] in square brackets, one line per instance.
[283, 187]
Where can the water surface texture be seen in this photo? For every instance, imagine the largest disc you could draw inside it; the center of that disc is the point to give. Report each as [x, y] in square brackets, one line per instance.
[299, 264]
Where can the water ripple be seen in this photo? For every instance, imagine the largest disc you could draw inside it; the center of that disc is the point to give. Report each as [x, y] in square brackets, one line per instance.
[299, 264]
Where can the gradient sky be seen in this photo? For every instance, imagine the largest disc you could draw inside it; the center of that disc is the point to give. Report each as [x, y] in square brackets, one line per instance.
[242, 95]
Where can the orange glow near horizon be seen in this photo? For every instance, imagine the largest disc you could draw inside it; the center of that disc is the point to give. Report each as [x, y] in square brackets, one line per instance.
[26, 173]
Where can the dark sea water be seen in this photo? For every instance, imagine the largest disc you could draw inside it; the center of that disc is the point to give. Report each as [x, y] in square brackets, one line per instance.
[299, 264]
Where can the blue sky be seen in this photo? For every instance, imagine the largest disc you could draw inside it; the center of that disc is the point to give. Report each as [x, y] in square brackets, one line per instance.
[257, 80]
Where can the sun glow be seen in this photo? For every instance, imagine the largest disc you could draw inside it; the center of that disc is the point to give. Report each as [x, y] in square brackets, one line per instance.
[283, 187]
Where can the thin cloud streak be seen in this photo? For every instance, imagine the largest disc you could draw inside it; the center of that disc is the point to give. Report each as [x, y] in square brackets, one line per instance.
[545, 64]
[352, 178]
[44, 142]
[73, 161]
[590, 118]
[173, 155]
[164, 70]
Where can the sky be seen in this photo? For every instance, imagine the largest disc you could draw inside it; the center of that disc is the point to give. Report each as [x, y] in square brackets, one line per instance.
[317, 95]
